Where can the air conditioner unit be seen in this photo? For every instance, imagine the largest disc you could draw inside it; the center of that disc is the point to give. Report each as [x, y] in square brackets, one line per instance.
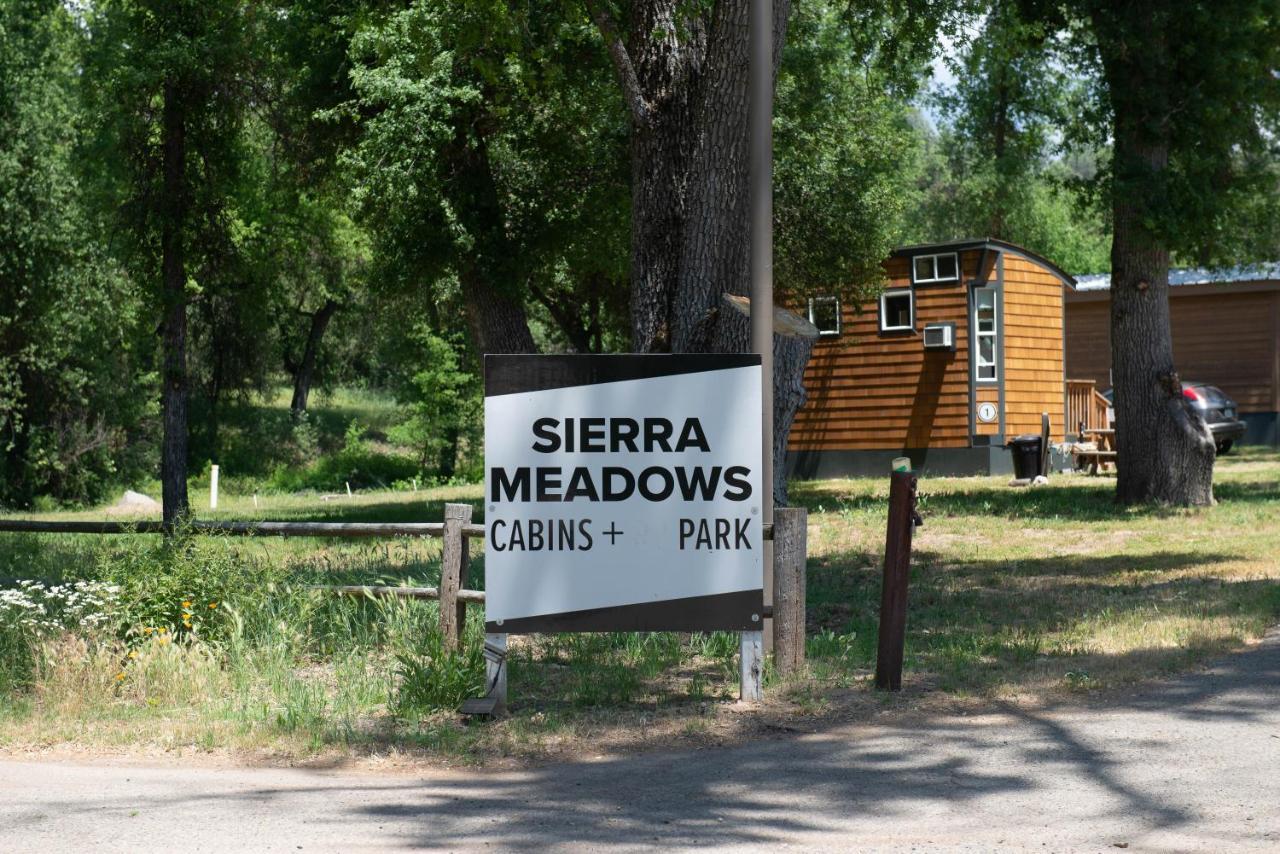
[940, 336]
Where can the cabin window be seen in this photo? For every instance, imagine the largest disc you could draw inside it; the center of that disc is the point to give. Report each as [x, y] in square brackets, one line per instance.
[824, 313]
[984, 327]
[897, 311]
[935, 268]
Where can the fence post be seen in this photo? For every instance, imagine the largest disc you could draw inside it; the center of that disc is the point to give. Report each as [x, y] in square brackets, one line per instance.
[495, 671]
[893, 594]
[790, 530]
[453, 574]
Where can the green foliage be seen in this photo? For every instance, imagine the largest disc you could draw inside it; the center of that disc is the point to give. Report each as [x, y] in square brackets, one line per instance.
[444, 406]
[358, 464]
[181, 587]
[493, 153]
[71, 405]
[846, 158]
[996, 168]
[433, 678]
[1188, 94]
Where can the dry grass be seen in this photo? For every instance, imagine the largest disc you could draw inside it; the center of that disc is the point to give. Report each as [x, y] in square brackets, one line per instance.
[1024, 595]
[1035, 592]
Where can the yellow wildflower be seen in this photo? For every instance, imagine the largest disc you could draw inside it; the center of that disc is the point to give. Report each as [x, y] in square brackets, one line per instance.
[120, 676]
[133, 653]
[163, 630]
[148, 630]
[213, 604]
[186, 603]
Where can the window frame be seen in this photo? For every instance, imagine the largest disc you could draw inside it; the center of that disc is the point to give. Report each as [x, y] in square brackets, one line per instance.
[915, 259]
[994, 335]
[830, 300]
[911, 310]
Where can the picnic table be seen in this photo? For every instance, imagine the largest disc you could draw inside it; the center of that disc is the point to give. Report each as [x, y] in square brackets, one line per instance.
[1102, 455]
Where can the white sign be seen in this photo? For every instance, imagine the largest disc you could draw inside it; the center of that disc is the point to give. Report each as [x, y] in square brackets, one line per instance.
[622, 493]
[986, 412]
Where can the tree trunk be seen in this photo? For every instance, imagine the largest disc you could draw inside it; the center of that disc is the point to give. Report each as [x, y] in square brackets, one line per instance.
[448, 461]
[174, 388]
[498, 323]
[1165, 451]
[668, 50]
[497, 319]
[305, 374]
[684, 78]
[793, 339]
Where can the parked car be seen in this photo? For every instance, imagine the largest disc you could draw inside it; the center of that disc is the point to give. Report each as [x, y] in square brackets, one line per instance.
[1217, 410]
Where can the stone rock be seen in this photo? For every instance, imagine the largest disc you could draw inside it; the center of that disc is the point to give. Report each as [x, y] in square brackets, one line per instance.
[138, 501]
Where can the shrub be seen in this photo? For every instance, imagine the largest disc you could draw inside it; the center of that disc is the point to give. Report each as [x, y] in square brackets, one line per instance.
[358, 464]
[431, 678]
[183, 585]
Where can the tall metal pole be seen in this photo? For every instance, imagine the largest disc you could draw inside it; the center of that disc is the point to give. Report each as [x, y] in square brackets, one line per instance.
[760, 123]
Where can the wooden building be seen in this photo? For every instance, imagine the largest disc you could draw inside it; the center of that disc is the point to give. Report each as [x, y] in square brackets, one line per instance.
[962, 351]
[1226, 332]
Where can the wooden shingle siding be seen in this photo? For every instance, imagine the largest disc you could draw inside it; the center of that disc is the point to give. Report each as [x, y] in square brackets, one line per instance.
[1033, 357]
[869, 391]
[1230, 339]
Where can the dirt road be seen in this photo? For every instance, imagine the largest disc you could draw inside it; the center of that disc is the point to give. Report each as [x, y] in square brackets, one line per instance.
[1190, 765]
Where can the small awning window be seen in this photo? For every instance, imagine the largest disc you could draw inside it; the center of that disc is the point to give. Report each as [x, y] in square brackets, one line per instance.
[935, 268]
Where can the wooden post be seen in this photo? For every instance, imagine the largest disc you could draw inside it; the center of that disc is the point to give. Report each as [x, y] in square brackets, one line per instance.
[790, 530]
[752, 686]
[893, 595]
[453, 573]
[495, 671]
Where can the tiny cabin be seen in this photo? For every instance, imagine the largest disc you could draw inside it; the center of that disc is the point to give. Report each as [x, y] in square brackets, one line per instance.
[962, 351]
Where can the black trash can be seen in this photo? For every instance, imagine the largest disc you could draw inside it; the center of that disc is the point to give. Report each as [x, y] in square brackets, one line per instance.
[1026, 456]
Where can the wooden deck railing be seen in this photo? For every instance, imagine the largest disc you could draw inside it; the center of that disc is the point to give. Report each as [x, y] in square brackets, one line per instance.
[1086, 407]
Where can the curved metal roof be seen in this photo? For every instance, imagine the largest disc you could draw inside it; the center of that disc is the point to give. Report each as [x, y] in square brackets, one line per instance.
[987, 243]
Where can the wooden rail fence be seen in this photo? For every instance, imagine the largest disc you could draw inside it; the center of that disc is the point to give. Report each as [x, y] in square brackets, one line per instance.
[456, 530]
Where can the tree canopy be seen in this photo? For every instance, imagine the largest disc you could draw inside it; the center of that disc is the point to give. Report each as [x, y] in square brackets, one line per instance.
[204, 203]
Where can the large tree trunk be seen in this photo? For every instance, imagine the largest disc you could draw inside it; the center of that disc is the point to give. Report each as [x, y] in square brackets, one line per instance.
[684, 79]
[305, 374]
[174, 381]
[498, 323]
[668, 56]
[497, 319]
[793, 340]
[1165, 450]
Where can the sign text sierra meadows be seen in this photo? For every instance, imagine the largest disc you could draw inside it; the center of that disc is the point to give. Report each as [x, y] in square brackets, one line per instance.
[622, 493]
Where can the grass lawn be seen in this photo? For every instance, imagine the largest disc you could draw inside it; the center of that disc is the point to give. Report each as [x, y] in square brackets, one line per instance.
[1032, 595]
[1034, 591]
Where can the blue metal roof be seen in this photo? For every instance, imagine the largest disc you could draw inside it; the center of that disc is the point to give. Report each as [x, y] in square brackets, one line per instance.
[1195, 276]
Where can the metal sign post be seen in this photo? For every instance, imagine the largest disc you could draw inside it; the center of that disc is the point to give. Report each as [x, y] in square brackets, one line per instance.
[760, 122]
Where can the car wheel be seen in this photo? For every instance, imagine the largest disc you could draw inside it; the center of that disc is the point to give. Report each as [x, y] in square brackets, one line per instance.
[1225, 447]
